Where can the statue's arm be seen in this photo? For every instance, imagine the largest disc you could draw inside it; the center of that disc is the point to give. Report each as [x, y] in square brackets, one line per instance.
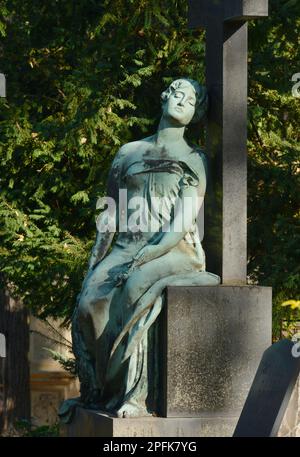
[100, 248]
[183, 220]
[191, 195]
[105, 238]
[192, 198]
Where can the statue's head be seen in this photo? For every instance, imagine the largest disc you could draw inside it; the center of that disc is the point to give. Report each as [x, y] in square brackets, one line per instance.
[184, 100]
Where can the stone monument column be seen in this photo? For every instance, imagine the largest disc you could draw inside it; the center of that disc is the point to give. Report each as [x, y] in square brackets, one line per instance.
[215, 336]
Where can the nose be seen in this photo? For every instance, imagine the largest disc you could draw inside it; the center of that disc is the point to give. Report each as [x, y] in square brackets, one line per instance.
[182, 101]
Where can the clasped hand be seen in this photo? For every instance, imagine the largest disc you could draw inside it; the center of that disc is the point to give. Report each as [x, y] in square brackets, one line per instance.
[146, 254]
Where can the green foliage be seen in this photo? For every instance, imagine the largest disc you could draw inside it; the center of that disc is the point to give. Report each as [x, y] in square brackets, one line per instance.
[77, 75]
[28, 430]
[291, 318]
[85, 77]
[68, 364]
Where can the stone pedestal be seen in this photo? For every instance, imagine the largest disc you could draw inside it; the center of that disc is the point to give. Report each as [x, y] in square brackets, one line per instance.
[88, 423]
[212, 340]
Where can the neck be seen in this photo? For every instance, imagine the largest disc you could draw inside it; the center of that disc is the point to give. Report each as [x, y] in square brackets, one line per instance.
[169, 132]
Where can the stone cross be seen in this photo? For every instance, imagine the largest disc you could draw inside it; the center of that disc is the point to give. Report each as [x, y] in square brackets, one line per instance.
[2, 85]
[226, 79]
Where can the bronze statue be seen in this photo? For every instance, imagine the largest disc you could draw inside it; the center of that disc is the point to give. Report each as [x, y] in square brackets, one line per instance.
[158, 245]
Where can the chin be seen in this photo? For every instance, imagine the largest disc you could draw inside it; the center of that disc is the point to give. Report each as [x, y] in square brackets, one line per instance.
[178, 117]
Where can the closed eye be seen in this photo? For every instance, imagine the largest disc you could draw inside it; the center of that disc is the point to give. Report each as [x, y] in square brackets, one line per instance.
[192, 101]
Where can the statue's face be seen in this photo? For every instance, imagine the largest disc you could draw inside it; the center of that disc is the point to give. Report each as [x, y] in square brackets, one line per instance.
[181, 104]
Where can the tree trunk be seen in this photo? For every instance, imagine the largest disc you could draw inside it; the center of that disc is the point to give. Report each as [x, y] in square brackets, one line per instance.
[14, 368]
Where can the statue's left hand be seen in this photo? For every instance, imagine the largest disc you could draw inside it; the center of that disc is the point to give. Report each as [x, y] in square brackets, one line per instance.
[146, 254]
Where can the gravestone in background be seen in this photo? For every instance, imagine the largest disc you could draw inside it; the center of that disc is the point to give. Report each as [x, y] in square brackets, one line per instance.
[15, 402]
[50, 384]
[271, 391]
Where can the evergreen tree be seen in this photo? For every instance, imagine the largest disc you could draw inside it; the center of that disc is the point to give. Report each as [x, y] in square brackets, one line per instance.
[84, 78]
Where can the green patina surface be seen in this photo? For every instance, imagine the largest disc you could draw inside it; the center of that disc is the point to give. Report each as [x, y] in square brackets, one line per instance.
[121, 295]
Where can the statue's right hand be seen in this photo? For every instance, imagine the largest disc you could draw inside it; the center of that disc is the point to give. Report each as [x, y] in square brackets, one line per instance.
[122, 277]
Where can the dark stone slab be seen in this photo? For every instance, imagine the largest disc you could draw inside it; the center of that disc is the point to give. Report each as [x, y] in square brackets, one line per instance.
[270, 392]
[213, 341]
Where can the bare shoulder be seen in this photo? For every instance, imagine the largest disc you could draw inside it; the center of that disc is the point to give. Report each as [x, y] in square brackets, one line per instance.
[134, 146]
[199, 157]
